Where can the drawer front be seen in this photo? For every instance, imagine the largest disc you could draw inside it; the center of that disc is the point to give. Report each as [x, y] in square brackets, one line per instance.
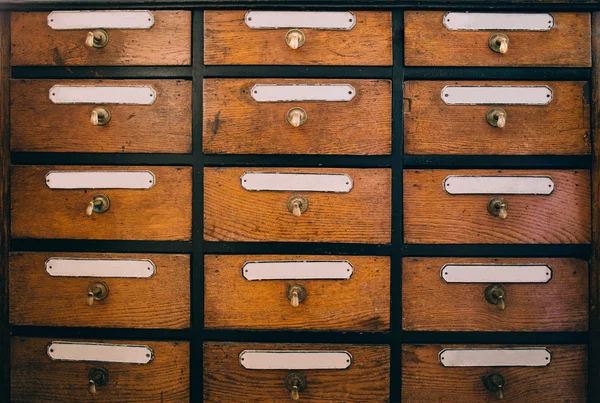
[37, 377]
[460, 294]
[164, 126]
[564, 379]
[355, 120]
[255, 292]
[431, 126]
[360, 213]
[51, 289]
[428, 42]
[167, 42]
[228, 39]
[432, 215]
[161, 212]
[365, 380]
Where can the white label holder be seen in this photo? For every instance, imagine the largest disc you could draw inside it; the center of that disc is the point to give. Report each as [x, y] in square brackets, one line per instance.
[292, 360]
[296, 182]
[298, 270]
[303, 92]
[100, 352]
[106, 19]
[507, 185]
[326, 20]
[89, 267]
[495, 357]
[498, 21]
[100, 179]
[497, 95]
[102, 94]
[496, 273]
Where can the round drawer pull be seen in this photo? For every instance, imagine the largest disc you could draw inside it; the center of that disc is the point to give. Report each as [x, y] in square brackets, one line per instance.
[100, 116]
[297, 117]
[498, 43]
[96, 377]
[97, 38]
[295, 38]
[295, 383]
[296, 294]
[496, 295]
[297, 205]
[498, 207]
[96, 292]
[494, 382]
[99, 204]
[497, 117]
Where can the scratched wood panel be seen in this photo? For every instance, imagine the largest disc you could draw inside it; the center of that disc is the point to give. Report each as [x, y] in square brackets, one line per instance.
[424, 379]
[168, 42]
[161, 301]
[432, 127]
[228, 40]
[431, 215]
[362, 215]
[38, 124]
[163, 212]
[366, 380]
[427, 42]
[234, 123]
[361, 303]
[35, 377]
[431, 304]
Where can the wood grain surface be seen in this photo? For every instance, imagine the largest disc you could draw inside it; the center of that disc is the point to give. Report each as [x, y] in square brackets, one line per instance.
[424, 379]
[428, 42]
[37, 378]
[168, 42]
[228, 40]
[432, 127]
[366, 380]
[161, 301]
[38, 124]
[361, 303]
[433, 216]
[234, 123]
[362, 215]
[431, 304]
[163, 212]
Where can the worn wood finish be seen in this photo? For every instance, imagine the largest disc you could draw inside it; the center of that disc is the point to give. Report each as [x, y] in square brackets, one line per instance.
[432, 127]
[164, 127]
[361, 303]
[234, 123]
[433, 216]
[428, 42]
[424, 379]
[366, 380]
[232, 213]
[168, 42]
[159, 302]
[163, 212]
[36, 377]
[431, 304]
[228, 40]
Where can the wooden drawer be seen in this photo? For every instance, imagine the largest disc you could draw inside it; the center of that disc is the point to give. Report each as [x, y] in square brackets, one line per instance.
[344, 301]
[233, 211]
[460, 294]
[432, 215]
[161, 212]
[39, 124]
[424, 379]
[428, 42]
[365, 380]
[228, 39]
[143, 290]
[167, 42]
[37, 377]
[236, 123]
[431, 126]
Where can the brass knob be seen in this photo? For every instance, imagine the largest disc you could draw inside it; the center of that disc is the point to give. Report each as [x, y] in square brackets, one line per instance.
[496, 295]
[297, 205]
[295, 383]
[498, 43]
[296, 117]
[498, 207]
[497, 117]
[494, 382]
[100, 116]
[96, 292]
[99, 204]
[295, 38]
[97, 38]
[96, 377]
[296, 294]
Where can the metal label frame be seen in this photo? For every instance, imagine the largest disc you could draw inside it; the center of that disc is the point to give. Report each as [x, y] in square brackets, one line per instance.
[323, 20]
[495, 357]
[96, 19]
[92, 267]
[303, 92]
[497, 95]
[497, 273]
[544, 187]
[100, 352]
[467, 21]
[102, 94]
[147, 182]
[344, 272]
[305, 182]
[295, 359]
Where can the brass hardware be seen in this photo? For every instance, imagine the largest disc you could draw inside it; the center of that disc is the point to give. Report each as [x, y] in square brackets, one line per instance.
[297, 205]
[295, 383]
[498, 207]
[498, 43]
[96, 292]
[497, 117]
[97, 377]
[100, 116]
[297, 117]
[296, 294]
[97, 38]
[99, 204]
[494, 382]
[295, 38]
[496, 295]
